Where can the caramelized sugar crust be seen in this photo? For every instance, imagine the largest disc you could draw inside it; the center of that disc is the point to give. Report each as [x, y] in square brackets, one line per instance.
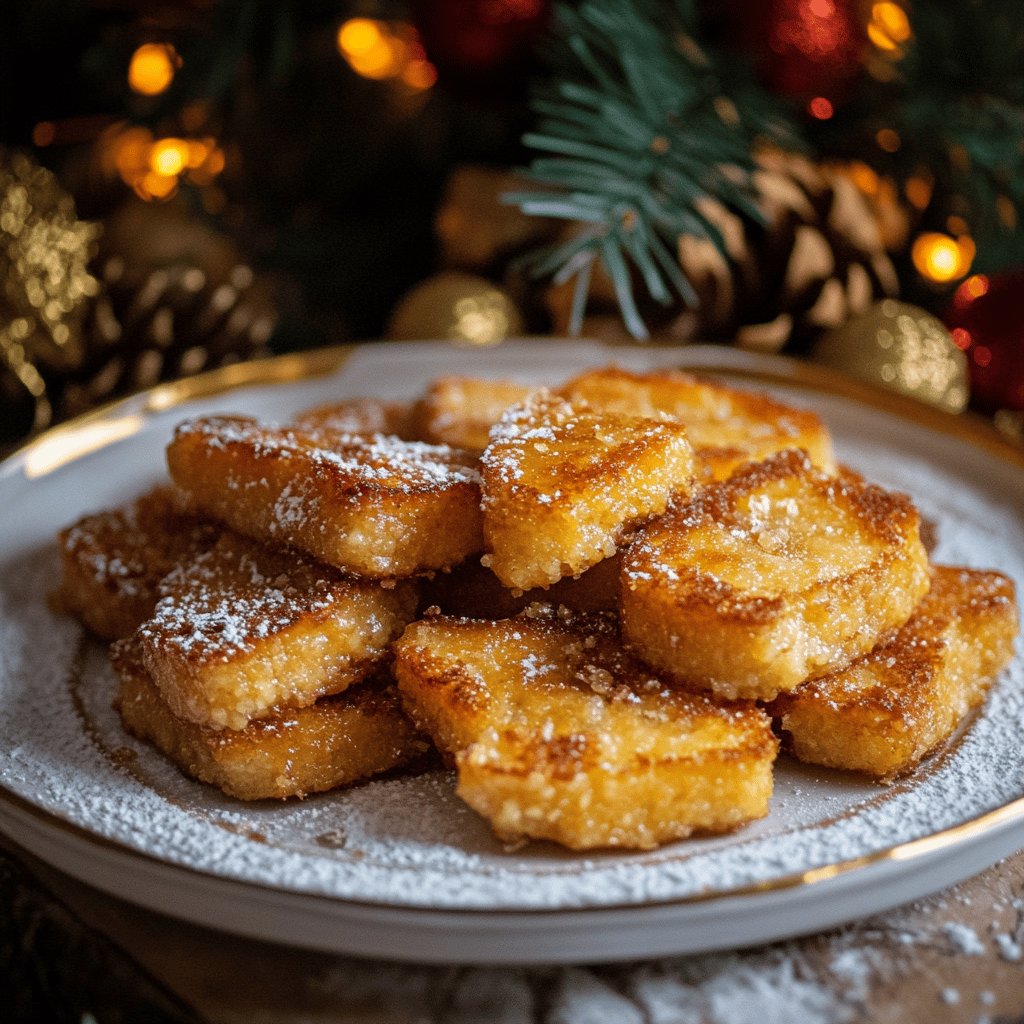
[562, 484]
[473, 591]
[890, 708]
[780, 574]
[241, 629]
[334, 742]
[376, 507]
[726, 427]
[558, 733]
[460, 411]
[112, 562]
[363, 417]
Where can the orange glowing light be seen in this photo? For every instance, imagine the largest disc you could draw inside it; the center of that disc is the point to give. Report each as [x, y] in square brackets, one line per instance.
[371, 48]
[821, 108]
[889, 26]
[169, 157]
[919, 192]
[956, 225]
[419, 74]
[359, 36]
[975, 286]
[155, 186]
[940, 258]
[152, 67]
[864, 178]
[888, 140]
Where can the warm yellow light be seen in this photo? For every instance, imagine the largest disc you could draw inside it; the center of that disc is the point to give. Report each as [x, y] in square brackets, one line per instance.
[151, 69]
[940, 258]
[360, 35]
[373, 50]
[169, 157]
[889, 25]
[383, 61]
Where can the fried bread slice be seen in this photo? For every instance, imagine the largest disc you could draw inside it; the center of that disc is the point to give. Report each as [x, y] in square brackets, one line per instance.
[779, 574]
[112, 562]
[473, 591]
[558, 733]
[334, 742]
[460, 411]
[890, 708]
[377, 507]
[726, 426]
[362, 417]
[562, 485]
[241, 629]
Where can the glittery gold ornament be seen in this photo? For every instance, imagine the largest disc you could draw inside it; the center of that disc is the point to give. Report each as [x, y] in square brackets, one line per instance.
[900, 347]
[456, 307]
[45, 284]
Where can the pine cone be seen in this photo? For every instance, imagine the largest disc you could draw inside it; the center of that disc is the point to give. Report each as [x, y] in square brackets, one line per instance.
[153, 324]
[817, 259]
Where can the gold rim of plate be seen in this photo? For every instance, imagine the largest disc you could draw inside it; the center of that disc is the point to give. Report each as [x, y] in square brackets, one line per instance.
[87, 433]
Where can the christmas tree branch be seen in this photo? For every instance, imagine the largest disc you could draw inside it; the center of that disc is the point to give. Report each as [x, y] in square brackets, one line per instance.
[634, 131]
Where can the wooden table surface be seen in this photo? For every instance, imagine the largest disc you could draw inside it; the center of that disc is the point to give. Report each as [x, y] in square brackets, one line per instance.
[956, 957]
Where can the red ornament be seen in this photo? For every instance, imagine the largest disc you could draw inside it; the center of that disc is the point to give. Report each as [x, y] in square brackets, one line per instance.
[479, 42]
[986, 319]
[808, 49]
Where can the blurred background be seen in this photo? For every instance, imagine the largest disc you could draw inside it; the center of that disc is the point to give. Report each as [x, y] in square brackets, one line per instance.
[188, 183]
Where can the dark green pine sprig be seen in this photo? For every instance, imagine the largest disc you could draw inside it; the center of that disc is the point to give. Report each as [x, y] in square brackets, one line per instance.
[635, 132]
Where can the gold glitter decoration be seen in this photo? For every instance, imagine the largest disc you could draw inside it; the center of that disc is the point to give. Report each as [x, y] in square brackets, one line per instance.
[456, 307]
[45, 285]
[901, 347]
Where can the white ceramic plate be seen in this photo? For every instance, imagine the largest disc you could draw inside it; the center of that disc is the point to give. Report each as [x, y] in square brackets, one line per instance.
[399, 867]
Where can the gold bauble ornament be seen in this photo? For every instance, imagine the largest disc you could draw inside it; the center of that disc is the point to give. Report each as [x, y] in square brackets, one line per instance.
[458, 307]
[45, 285]
[901, 347]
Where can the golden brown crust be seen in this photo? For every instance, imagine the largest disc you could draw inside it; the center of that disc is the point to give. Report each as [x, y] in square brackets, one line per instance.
[112, 562]
[726, 427]
[377, 507]
[562, 485]
[460, 411]
[241, 629]
[557, 733]
[779, 574]
[884, 713]
[334, 742]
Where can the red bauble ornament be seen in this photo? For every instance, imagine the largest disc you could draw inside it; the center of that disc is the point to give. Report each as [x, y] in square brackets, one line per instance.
[808, 49]
[478, 43]
[986, 319]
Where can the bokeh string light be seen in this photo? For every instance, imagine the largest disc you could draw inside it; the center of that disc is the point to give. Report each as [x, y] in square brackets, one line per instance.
[152, 68]
[155, 167]
[940, 259]
[381, 51]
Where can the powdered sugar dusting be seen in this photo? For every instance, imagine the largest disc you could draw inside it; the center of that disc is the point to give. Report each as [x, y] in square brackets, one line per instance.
[410, 842]
[377, 460]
